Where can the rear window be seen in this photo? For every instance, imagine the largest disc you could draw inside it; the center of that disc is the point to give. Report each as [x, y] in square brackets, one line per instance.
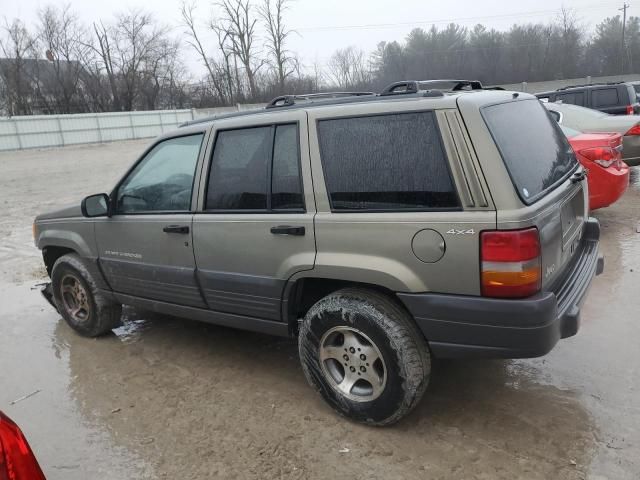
[534, 149]
[385, 162]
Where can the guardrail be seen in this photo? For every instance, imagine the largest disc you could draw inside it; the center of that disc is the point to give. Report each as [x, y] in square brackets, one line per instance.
[43, 131]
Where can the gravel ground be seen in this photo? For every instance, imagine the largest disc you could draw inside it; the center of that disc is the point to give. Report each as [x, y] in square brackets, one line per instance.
[169, 398]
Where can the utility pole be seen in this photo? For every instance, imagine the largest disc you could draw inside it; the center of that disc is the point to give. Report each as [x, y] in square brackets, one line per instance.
[624, 24]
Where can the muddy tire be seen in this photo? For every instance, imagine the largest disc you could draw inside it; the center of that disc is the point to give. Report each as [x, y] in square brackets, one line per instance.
[362, 351]
[79, 301]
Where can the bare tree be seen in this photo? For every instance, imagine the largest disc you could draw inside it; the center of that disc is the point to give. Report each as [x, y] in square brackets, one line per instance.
[127, 51]
[272, 12]
[64, 40]
[240, 25]
[348, 67]
[187, 11]
[17, 47]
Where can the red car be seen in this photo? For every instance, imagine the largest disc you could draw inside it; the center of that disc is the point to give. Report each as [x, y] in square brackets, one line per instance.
[601, 155]
[17, 461]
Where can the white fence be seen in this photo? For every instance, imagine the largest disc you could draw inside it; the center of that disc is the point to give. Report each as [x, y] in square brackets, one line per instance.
[42, 131]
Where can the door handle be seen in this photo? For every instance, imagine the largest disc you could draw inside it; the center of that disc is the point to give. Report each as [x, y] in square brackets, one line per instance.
[287, 230]
[176, 229]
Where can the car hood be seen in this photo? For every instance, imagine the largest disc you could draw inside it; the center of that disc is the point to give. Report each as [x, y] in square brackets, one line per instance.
[66, 212]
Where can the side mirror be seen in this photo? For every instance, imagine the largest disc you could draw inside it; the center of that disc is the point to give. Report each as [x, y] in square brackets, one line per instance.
[95, 205]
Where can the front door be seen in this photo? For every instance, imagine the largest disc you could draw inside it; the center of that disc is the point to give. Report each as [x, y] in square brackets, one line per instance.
[254, 227]
[145, 247]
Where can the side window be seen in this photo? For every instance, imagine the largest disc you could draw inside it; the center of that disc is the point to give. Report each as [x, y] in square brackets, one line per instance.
[385, 162]
[256, 169]
[163, 180]
[605, 97]
[286, 186]
[239, 169]
[574, 98]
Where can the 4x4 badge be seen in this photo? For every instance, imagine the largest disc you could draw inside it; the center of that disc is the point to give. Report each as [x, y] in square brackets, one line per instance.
[453, 231]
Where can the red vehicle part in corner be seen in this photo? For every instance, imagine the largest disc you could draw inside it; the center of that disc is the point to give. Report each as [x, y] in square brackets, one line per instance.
[601, 155]
[17, 461]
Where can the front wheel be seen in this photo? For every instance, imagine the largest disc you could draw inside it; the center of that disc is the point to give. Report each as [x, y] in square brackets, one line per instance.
[88, 311]
[364, 354]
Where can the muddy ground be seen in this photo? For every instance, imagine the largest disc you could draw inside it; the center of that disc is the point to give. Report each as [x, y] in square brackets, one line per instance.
[167, 398]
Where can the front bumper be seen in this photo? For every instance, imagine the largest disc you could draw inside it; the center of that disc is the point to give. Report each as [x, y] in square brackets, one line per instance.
[458, 326]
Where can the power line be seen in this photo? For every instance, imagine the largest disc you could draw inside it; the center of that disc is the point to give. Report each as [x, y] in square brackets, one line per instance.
[368, 26]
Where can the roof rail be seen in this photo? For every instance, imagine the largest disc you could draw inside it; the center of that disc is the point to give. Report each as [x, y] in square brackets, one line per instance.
[288, 100]
[595, 84]
[414, 86]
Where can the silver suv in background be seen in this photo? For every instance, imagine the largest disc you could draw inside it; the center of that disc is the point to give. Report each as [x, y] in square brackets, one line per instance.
[379, 230]
[586, 120]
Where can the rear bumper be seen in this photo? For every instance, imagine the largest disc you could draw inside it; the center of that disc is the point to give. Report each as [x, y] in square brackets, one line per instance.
[465, 326]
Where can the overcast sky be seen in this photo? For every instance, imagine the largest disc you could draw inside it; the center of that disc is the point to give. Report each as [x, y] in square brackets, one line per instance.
[324, 25]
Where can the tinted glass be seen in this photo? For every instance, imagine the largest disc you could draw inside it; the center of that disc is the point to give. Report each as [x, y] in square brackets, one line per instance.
[286, 185]
[534, 149]
[575, 98]
[163, 180]
[605, 97]
[385, 162]
[239, 170]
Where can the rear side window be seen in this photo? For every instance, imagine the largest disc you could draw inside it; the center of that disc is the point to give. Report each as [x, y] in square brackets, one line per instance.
[574, 98]
[256, 169]
[239, 169]
[534, 149]
[385, 162]
[286, 186]
[605, 97]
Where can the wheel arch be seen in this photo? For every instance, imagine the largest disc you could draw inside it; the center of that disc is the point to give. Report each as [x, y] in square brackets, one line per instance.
[51, 253]
[302, 293]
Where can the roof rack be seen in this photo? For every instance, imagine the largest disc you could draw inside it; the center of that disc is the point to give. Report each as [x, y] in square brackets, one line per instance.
[288, 100]
[590, 85]
[415, 86]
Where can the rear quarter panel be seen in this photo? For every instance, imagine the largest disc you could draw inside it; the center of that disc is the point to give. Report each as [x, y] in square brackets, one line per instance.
[511, 212]
[376, 247]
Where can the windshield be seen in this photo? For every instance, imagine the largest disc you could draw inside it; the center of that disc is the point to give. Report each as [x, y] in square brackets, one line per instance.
[535, 151]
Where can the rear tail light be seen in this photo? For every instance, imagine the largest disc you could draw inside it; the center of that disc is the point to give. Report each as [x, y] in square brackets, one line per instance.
[17, 461]
[629, 109]
[603, 156]
[635, 130]
[510, 262]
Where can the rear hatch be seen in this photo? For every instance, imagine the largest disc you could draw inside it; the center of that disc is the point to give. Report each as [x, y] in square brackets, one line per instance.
[544, 186]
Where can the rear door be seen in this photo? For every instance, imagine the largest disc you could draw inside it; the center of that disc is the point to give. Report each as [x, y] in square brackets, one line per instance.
[254, 226]
[532, 165]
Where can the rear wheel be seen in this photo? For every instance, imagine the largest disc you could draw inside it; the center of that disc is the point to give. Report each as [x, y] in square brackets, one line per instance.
[81, 304]
[364, 354]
